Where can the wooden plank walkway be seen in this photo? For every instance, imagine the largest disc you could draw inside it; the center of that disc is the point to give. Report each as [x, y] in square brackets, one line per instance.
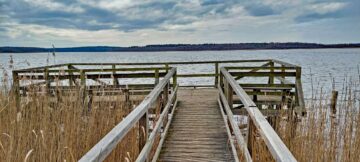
[197, 132]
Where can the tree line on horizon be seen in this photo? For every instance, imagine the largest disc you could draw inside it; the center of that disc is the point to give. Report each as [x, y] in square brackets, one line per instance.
[181, 47]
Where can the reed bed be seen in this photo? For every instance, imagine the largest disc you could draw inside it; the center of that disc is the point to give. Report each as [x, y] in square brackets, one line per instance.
[61, 128]
[323, 135]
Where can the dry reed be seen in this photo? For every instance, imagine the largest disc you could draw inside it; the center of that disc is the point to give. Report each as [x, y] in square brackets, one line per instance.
[60, 128]
[322, 135]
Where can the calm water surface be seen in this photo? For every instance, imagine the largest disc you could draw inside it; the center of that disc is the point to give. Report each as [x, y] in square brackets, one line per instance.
[319, 65]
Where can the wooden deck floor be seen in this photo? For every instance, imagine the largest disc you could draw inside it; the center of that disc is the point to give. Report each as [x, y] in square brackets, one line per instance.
[197, 132]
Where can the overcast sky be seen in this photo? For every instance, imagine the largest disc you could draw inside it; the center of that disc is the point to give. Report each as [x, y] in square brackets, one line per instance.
[134, 22]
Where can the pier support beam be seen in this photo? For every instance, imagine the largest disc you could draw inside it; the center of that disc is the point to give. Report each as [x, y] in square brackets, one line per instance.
[143, 130]
[16, 89]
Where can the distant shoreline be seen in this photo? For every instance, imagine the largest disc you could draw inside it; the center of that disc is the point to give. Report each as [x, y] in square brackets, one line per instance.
[182, 47]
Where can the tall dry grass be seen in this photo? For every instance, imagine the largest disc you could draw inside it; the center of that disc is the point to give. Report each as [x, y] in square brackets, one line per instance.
[61, 128]
[324, 136]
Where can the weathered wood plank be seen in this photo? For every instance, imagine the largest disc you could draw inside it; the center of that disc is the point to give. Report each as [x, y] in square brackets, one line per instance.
[285, 64]
[193, 134]
[256, 68]
[263, 74]
[173, 63]
[93, 76]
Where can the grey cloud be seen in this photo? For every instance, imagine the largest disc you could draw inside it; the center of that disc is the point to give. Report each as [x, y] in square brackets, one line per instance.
[159, 14]
[211, 2]
[113, 19]
[350, 10]
[316, 16]
[260, 10]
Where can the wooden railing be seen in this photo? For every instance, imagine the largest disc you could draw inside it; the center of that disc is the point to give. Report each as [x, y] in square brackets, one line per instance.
[259, 130]
[75, 68]
[269, 146]
[288, 85]
[113, 67]
[79, 73]
[151, 145]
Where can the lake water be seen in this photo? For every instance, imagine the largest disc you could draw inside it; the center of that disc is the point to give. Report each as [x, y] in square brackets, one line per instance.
[318, 65]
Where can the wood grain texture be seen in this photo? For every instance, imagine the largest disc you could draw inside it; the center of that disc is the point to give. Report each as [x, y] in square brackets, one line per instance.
[197, 132]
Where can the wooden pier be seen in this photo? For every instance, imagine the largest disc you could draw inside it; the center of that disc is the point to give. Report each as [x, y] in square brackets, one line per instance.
[197, 132]
[184, 123]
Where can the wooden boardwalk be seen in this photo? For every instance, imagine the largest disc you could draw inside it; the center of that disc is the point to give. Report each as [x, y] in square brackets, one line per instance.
[198, 131]
[175, 123]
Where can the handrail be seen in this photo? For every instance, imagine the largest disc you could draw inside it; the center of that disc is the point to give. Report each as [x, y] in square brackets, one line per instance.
[147, 148]
[277, 148]
[105, 146]
[175, 62]
[259, 67]
[93, 70]
[241, 144]
[163, 136]
[285, 64]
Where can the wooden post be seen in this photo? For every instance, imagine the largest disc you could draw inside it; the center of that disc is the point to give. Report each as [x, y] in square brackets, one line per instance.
[283, 74]
[89, 102]
[284, 92]
[82, 85]
[166, 94]
[299, 92]
[174, 80]
[70, 75]
[127, 99]
[272, 120]
[298, 76]
[255, 99]
[47, 80]
[221, 81]
[229, 94]
[156, 76]
[174, 84]
[82, 78]
[225, 87]
[126, 95]
[16, 89]
[298, 96]
[143, 130]
[271, 77]
[159, 107]
[334, 101]
[216, 74]
[250, 137]
[115, 80]
[167, 67]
